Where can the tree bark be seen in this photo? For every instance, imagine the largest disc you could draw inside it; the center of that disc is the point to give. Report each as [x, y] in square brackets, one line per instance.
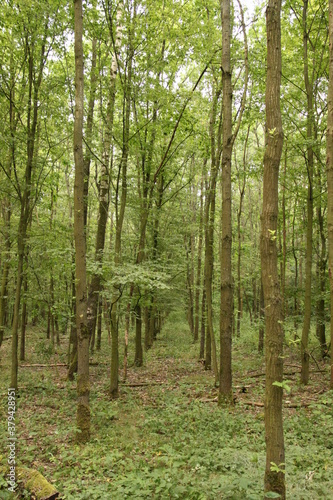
[274, 480]
[261, 320]
[83, 382]
[211, 357]
[305, 356]
[199, 260]
[329, 165]
[5, 270]
[203, 324]
[34, 83]
[120, 215]
[225, 389]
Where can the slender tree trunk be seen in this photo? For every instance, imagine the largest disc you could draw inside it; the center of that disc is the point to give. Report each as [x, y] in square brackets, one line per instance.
[190, 284]
[127, 327]
[239, 283]
[83, 382]
[329, 164]
[225, 389]
[34, 83]
[241, 187]
[284, 237]
[138, 361]
[99, 324]
[5, 270]
[103, 189]
[24, 314]
[7, 206]
[321, 277]
[296, 273]
[72, 357]
[305, 357]
[261, 321]
[274, 480]
[211, 357]
[120, 215]
[226, 304]
[89, 127]
[199, 261]
[203, 324]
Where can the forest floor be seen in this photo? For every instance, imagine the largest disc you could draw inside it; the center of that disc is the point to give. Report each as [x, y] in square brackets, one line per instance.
[165, 437]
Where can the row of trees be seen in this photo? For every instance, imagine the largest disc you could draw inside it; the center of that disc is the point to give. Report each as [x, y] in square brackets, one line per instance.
[171, 129]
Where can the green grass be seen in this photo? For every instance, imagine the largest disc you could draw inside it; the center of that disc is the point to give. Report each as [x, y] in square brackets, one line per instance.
[165, 441]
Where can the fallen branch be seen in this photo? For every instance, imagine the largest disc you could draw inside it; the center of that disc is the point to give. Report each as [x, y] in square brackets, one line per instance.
[208, 400]
[39, 365]
[262, 405]
[141, 384]
[253, 403]
[256, 403]
[256, 375]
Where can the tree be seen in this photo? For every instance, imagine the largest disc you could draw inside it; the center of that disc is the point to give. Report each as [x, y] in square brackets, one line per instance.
[83, 383]
[329, 164]
[226, 309]
[305, 357]
[274, 477]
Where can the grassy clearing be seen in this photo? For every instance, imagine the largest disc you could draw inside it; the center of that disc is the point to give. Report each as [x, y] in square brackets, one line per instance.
[167, 439]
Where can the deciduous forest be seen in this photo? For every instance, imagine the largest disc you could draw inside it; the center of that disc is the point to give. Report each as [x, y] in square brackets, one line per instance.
[166, 249]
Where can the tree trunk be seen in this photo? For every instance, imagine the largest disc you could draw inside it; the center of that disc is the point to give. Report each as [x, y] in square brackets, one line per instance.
[5, 270]
[321, 278]
[7, 208]
[138, 361]
[203, 324]
[83, 382]
[103, 189]
[274, 480]
[120, 215]
[305, 357]
[329, 164]
[24, 314]
[99, 324]
[284, 237]
[261, 320]
[225, 390]
[199, 260]
[34, 83]
[89, 127]
[211, 358]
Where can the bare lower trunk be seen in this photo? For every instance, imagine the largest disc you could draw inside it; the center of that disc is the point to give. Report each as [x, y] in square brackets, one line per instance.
[5, 270]
[203, 325]
[138, 337]
[225, 388]
[199, 262]
[329, 164]
[305, 356]
[274, 479]
[14, 367]
[83, 382]
[120, 215]
[261, 321]
[99, 324]
[24, 315]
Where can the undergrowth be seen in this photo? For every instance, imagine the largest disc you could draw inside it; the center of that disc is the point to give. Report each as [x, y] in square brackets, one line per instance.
[167, 439]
